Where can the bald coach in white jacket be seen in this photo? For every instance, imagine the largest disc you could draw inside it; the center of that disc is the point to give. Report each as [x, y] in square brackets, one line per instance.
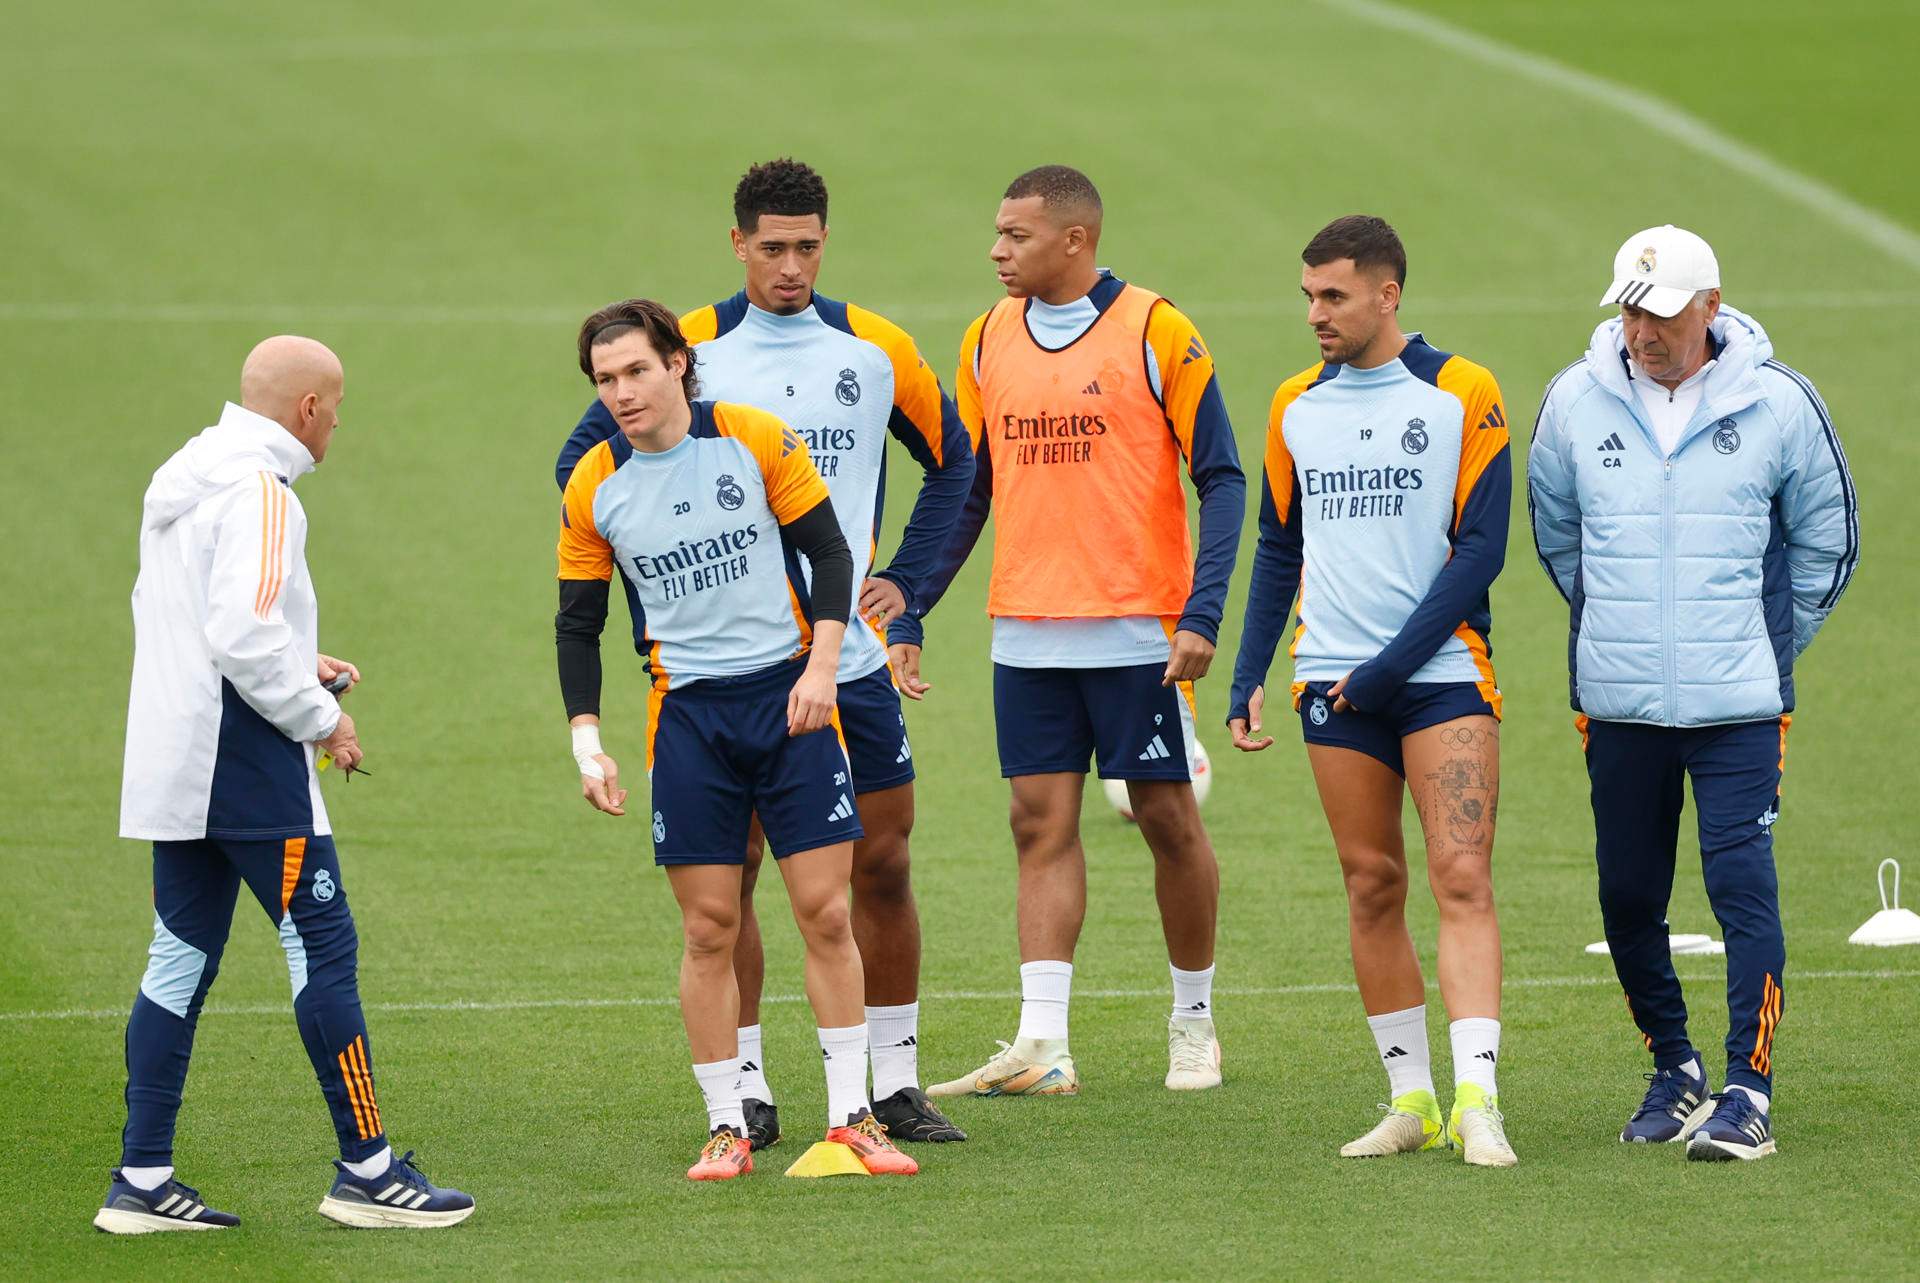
[229, 710]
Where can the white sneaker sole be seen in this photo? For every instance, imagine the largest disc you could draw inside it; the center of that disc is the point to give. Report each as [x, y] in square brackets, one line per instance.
[114, 1220]
[1705, 1149]
[372, 1216]
[1488, 1156]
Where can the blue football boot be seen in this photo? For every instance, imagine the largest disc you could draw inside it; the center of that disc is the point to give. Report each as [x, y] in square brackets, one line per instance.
[1736, 1130]
[132, 1210]
[1676, 1103]
[399, 1198]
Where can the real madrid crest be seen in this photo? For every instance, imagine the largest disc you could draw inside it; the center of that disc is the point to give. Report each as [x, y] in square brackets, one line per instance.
[1414, 439]
[1317, 711]
[1726, 437]
[728, 493]
[848, 388]
[1646, 262]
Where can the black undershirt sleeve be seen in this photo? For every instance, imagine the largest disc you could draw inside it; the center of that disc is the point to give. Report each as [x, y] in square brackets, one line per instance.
[816, 533]
[576, 636]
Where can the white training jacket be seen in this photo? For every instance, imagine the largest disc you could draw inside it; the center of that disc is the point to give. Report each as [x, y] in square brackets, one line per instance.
[226, 703]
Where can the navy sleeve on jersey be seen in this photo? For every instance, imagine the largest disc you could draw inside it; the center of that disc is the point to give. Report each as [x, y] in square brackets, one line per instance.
[595, 426]
[944, 489]
[1277, 558]
[1222, 487]
[952, 555]
[1458, 594]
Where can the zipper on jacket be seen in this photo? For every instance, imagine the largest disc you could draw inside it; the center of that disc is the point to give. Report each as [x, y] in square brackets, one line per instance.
[1667, 592]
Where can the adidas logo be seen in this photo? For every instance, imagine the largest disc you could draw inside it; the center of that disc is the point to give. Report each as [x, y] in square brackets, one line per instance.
[908, 1041]
[1156, 751]
[1198, 1006]
[1092, 389]
[1391, 1052]
[1194, 352]
[906, 753]
[842, 810]
[1613, 442]
[1487, 1056]
[748, 1067]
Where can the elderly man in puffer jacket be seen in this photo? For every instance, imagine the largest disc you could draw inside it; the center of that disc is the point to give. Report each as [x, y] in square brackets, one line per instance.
[1691, 501]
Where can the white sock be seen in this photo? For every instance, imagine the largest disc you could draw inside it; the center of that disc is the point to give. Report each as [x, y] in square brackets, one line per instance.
[1044, 990]
[1692, 1068]
[1192, 993]
[146, 1177]
[1401, 1037]
[893, 1037]
[1476, 1050]
[368, 1168]
[721, 1083]
[844, 1052]
[1761, 1101]
[753, 1066]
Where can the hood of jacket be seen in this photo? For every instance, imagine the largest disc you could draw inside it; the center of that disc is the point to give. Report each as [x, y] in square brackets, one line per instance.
[1732, 384]
[241, 444]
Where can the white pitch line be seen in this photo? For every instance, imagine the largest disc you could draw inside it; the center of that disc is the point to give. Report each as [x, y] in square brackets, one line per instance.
[1870, 225]
[956, 995]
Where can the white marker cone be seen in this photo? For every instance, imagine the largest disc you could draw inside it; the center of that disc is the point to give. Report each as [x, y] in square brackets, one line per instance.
[1893, 924]
[1676, 944]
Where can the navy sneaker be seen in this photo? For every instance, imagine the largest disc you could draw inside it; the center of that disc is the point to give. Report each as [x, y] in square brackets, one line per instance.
[400, 1197]
[1737, 1130]
[1675, 1104]
[763, 1123]
[132, 1210]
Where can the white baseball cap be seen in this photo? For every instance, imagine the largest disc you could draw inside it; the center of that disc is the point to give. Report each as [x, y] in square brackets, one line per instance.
[1661, 269]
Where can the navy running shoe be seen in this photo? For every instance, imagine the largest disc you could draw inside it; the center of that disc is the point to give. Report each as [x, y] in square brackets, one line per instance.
[1675, 1104]
[132, 1210]
[399, 1198]
[1737, 1130]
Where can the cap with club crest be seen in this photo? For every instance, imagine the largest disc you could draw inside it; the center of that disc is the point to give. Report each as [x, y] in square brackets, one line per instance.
[1661, 269]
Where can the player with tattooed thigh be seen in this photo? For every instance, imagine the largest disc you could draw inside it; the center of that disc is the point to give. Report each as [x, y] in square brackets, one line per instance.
[1385, 511]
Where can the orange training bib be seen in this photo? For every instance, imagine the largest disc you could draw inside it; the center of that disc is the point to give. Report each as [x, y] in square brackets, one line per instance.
[1090, 520]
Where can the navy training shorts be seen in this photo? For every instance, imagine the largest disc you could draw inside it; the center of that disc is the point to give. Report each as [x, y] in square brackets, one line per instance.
[719, 753]
[1056, 719]
[876, 732]
[1414, 707]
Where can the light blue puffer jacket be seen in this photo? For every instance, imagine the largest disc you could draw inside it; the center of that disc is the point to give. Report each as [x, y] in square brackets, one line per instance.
[1696, 579]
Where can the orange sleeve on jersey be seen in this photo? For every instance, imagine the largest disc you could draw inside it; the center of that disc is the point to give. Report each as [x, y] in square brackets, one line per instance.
[700, 325]
[794, 487]
[1186, 367]
[1483, 424]
[916, 391]
[583, 553]
[1279, 461]
[966, 385]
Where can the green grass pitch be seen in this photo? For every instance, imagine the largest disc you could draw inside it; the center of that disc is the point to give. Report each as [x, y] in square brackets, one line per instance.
[440, 191]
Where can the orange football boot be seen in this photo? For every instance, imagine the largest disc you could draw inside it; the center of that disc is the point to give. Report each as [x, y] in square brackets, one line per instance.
[725, 1156]
[868, 1141]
